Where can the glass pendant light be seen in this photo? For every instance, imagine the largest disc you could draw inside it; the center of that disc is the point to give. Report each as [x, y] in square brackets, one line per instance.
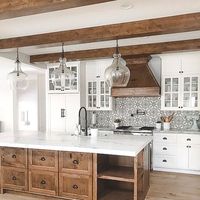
[118, 74]
[62, 73]
[17, 77]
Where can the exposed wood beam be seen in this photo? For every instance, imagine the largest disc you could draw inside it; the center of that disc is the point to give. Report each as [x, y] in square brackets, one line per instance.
[127, 51]
[17, 8]
[166, 25]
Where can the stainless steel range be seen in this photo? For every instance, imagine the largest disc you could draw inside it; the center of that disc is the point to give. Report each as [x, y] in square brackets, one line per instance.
[142, 131]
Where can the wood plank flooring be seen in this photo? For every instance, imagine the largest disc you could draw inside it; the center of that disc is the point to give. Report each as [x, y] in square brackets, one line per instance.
[164, 186]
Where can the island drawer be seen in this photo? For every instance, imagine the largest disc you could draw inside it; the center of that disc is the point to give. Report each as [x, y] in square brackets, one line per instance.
[43, 182]
[43, 160]
[14, 178]
[75, 186]
[14, 157]
[73, 162]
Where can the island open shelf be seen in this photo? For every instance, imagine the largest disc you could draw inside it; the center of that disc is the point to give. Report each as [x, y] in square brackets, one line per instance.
[122, 177]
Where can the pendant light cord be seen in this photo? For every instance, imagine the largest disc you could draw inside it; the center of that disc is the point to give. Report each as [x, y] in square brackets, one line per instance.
[18, 62]
[117, 47]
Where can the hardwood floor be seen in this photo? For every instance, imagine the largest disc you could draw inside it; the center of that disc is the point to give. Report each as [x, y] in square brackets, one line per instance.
[174, 186]
[164, 186]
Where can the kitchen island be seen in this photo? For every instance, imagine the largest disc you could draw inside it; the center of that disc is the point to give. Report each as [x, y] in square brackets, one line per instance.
[75, 167]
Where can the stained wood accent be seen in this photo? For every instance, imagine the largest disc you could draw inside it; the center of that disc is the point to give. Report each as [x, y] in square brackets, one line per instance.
[43, 160]
[43, 182]
[124, 174]
[14, 157]
[142, 81]
[174, 24]
[75, 186]
[17, 8]
[73, 162]
[143, 50]
[14, 178]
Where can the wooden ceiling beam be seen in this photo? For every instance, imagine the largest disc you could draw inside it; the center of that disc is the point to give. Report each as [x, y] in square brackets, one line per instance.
[166, 25]
[18, 8]
[127, 52]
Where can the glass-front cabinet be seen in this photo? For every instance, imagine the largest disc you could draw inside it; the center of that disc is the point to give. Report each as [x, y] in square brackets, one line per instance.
[71, 85]
[181, 92]
[98, 94]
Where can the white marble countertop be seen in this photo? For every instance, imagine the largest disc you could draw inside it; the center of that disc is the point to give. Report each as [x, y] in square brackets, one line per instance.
[125, 145]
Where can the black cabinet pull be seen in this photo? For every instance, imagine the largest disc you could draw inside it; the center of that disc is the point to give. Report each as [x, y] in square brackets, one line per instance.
[43, 182]
[164, 138]
[164, 148]
[189, 139]
[43, 159]
[75, 187]
[14, 178]
[164, 161]
[75, 162]
[14, 156]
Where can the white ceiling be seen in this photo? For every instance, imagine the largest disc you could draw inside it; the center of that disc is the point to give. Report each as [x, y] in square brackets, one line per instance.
[96, 15]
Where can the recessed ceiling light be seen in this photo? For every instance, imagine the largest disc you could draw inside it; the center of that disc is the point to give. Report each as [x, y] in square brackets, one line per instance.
[126, 6]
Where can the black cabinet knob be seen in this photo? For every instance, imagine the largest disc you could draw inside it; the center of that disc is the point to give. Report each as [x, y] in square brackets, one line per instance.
[43, 182]
[75, 187]
[14, 156]
[75, 162]
[14, 178]
[43, 159]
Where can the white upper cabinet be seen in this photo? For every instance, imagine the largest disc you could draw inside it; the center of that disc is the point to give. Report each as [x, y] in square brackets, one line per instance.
[180, 81]
[98, 94]
[71, 84]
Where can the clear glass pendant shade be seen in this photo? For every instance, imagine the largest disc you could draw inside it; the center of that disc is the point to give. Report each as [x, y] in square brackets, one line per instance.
[118, 74]
[18, 78]
[62, 73]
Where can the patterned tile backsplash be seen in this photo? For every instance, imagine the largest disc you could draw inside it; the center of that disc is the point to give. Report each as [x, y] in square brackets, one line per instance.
[124, 107]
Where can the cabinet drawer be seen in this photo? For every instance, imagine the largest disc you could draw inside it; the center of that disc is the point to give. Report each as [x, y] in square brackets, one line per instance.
[188, 139]
[164, 161]
[43, 182]
[71, 162]
[14, 157]
[164, 149]
[75, 186]
[165, 138]
[43, 160]
[14, 178]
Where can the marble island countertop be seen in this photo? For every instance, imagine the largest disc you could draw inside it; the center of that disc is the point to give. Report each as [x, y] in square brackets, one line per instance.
[125, 145]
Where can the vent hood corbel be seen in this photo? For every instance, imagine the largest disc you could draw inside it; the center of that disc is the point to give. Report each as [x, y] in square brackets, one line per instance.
[142, 81]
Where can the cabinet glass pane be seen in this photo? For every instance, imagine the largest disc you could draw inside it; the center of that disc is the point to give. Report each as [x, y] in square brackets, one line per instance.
[102, 87]
[168, 85]
[89, 101]
[107, 101]
[94, 87]
[175, 85]
[194, 99]
[89, 87]
[94, 101]
[102, 100]
[168, 81]
[107, 89]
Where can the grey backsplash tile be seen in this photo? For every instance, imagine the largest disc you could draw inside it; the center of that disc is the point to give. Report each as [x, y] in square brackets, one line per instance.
[124, 107]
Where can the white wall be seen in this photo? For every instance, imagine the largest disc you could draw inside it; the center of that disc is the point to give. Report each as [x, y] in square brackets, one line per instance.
[6, 95]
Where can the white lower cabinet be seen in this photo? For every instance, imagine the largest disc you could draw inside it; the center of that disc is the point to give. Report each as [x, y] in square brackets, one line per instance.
[194, 157]
[176, 152]
[63, 112]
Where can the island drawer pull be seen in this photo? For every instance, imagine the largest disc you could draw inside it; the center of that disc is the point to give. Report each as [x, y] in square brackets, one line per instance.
[75, 187]
[164, 161]
[165, 138]
[14, 178]
[14, 156]
[43, 159]
[75, 162]
[164, 148]
[43, 182]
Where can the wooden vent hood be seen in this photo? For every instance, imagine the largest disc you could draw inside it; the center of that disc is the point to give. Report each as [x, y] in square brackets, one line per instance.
[142, 81]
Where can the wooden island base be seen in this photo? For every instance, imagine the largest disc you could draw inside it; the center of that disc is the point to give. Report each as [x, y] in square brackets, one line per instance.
[72, 175]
